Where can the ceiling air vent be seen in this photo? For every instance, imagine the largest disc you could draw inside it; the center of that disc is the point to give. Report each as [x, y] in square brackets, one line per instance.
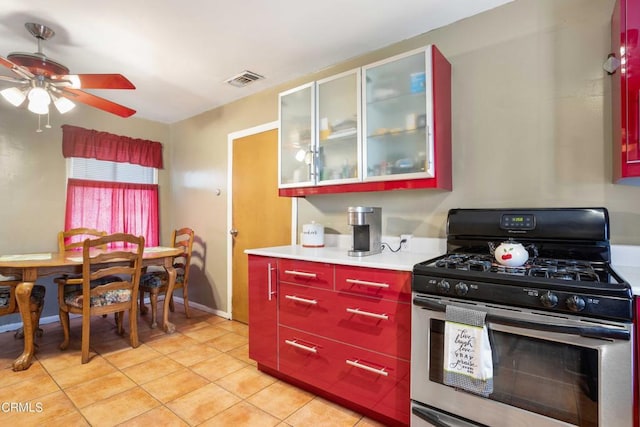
[244, 78]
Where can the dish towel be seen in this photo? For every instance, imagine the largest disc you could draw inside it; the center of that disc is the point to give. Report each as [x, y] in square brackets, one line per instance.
[467, 352]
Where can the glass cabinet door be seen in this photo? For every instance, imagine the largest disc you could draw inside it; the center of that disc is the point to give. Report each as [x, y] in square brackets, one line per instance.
[297, 120]
[397, 118]
[338, 129]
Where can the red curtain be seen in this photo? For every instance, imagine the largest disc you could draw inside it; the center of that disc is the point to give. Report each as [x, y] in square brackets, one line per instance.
[114, 207]
[93, 144]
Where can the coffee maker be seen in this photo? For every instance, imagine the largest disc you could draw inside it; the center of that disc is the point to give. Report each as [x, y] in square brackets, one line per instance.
[366, 223]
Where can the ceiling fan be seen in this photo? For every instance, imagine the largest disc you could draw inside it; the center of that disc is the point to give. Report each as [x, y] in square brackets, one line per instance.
[41, 80]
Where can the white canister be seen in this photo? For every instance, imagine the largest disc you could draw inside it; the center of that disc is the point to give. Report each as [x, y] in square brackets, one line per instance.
[313, 235]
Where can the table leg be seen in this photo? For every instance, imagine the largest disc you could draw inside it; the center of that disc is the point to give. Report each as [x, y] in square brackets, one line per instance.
[23, 297]
[167, 326]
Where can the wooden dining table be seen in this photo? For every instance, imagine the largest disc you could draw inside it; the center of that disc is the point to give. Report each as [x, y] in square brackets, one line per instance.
[30, 267]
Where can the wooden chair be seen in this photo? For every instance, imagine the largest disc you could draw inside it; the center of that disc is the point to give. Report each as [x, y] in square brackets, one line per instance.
[73, 239]
[156, 282]
[111, 297]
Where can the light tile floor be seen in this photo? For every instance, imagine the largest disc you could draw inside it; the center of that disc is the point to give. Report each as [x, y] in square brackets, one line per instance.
[201, 375]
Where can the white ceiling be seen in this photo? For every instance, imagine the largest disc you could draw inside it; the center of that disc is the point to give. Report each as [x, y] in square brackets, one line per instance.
[179, 54]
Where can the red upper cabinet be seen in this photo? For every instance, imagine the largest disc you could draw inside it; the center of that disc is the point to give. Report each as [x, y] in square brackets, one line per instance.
[625, 26]
[386, 126]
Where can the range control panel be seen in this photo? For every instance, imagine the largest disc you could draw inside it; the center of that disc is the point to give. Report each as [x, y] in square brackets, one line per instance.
[527, 296]
[517, 221]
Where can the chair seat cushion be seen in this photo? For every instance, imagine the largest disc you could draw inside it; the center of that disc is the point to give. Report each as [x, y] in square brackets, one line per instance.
[37, 295]
[156, 279]
[74, 298]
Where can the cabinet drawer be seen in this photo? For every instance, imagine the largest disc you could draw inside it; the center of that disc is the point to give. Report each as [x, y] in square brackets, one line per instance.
[306, 273]
[373, 282]
[366, 378]
[306, 308]
[375, 324]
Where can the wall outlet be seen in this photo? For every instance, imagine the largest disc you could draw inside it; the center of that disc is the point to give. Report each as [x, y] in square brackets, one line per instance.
[406, 246]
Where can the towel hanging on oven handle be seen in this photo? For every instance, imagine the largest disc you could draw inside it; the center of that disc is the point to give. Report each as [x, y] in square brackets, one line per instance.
[599, 332]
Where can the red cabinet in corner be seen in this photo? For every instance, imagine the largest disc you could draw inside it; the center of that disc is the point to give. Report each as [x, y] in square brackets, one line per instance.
[263, 311]
[625, 28]
[636, 366]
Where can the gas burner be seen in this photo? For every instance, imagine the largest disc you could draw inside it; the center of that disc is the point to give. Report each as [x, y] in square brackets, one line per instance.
[465, 262]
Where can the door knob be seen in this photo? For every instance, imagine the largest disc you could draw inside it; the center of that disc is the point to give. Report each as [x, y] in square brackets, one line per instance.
[233, 232]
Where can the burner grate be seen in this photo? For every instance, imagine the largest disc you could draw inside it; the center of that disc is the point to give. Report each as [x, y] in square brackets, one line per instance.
[546, 268]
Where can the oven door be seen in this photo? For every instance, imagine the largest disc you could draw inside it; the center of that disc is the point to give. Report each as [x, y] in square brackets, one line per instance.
[548, 370]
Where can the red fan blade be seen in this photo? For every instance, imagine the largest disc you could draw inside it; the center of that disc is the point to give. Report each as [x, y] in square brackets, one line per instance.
[21, 71]
[97, 102]
[95, 81]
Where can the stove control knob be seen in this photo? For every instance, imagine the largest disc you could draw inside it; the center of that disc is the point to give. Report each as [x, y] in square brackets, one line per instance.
[443, 286]
[575, 303]
[549, 299]
[461, 288]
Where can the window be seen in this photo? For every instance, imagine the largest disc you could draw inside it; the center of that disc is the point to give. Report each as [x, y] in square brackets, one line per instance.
[101, 170]
[117, 193]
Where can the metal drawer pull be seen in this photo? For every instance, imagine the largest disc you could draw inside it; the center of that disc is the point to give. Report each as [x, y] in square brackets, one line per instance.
[365, 283]
[270, 291]
[295, 298]
[301, 346]
[301, 273]
[367, 313]
[357, 364]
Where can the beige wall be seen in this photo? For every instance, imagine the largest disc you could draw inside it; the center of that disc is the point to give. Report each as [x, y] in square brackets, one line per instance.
[531, 127]
[33, 179]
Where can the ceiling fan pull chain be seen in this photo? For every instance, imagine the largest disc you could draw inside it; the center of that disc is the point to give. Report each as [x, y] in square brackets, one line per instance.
[39, 129]
[48, 126]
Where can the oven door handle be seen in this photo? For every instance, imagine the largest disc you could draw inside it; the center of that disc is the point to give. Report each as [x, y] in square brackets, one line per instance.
[586, 331]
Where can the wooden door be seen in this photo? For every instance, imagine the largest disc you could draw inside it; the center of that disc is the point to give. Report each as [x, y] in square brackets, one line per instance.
[259, 215]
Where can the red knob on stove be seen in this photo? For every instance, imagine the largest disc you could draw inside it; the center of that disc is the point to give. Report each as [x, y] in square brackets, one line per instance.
[461, 288]
[443, 286]
[549, 299]
[575, 303]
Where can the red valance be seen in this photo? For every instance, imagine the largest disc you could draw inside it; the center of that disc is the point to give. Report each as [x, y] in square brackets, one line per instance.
[93, 144]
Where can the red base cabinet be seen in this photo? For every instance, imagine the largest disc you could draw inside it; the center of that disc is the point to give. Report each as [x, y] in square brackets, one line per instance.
[263, 310]
[342, 332]
[636, 368]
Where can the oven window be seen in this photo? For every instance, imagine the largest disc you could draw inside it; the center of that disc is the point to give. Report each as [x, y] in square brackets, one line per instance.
[550, 378]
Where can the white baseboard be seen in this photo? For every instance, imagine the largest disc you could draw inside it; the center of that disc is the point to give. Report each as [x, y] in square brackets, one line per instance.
[56, 318]
[18, 325]
[204, 308]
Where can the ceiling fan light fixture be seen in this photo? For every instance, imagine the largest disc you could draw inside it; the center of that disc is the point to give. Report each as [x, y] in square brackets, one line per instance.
[37, 108]
[39, 100]
[64, 105]
[13, 95]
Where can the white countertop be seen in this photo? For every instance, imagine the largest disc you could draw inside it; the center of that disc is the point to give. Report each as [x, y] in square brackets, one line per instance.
[403, 261]
[625, 259]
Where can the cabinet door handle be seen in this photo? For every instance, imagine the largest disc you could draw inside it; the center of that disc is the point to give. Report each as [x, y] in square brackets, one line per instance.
[304, 300]
[367, 313]
[357, 364]
[300, 273]
[365, 283]
[270, 291]
[294, 343]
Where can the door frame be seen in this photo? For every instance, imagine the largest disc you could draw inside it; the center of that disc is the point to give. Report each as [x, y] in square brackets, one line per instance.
[294, 203]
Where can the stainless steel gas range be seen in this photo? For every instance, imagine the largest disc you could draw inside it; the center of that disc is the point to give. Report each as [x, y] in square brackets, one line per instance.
[559, 326]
